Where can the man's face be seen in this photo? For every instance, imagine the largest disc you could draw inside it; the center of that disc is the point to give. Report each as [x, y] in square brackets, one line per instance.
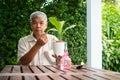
[38, 25]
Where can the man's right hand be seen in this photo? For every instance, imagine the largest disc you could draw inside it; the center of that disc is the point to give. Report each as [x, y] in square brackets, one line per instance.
[42, 40]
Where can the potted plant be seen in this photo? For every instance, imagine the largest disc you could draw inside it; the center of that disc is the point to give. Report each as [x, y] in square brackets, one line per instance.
[59, 46]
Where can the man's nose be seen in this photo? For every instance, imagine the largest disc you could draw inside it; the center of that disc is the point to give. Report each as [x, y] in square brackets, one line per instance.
[38, 25]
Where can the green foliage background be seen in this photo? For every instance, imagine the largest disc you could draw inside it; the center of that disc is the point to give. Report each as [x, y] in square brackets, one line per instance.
[111, 36]
[14, 23]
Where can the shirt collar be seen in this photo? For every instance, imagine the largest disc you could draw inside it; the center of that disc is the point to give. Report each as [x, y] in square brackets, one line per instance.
[32, 38]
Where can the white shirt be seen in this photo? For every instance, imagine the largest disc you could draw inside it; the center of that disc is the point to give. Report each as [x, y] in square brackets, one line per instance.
[44, 55]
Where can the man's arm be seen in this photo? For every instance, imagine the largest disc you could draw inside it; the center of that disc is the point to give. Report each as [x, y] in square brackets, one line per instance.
[28, 57]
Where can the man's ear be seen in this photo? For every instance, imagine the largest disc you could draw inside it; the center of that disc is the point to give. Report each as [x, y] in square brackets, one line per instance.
[31, 25]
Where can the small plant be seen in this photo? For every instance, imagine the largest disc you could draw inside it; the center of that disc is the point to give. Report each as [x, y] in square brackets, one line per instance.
[58, 27]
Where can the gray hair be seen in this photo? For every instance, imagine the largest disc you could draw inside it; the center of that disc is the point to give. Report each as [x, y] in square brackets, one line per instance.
[38, 14]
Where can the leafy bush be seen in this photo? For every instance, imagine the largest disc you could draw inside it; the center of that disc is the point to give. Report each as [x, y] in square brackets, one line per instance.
[14, 23]
[111, 37]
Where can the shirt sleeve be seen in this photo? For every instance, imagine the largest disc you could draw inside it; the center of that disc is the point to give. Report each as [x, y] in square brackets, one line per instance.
[22, 49]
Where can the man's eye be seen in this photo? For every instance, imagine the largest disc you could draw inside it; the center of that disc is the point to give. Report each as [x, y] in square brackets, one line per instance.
[42, 23]
[34, 23]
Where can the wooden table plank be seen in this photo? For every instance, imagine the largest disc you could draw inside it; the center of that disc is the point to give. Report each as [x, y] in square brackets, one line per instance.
[96, 77]
[56, 77]
[44, 69]
[78, 70]
[95, 69]
[98, 74]
[29, 78]
[82, 77]
[116, 73]
[7, 69]
[112, 76]
[16, 69]
[26, 69]
[54, 69]
[15, 78]
[35, 69]
[88, 70]
[105, 74]
[4, 77]
[69, 77]
[44, 77]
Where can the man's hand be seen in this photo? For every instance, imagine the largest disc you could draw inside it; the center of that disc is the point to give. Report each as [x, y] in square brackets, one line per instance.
[58, 58]
[42, 40]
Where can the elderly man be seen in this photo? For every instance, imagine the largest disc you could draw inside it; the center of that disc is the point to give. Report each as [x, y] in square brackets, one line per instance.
[36, 48]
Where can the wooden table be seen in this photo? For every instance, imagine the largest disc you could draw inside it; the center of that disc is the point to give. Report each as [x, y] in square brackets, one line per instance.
[47, 72]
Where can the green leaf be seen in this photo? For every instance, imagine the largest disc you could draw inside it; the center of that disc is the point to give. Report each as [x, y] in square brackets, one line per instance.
[55, 22]
[52, 29]
[72, 26]
[58, 25]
